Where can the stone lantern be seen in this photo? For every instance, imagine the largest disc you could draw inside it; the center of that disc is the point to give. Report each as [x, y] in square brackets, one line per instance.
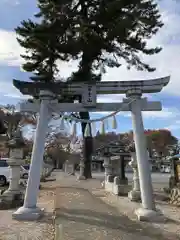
[15, 161]
[120, 157]
[135, 193]
[104, 152]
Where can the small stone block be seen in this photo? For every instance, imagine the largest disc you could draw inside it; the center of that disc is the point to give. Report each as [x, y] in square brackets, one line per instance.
[108, 186]
[5, 205]
[124, 181]
[81, 178]
[121, 190]
[116, 180]
[110, 178]
[134, 196]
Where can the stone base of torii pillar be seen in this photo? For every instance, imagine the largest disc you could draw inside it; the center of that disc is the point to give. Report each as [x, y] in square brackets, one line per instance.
[28, 214]
[148, 215]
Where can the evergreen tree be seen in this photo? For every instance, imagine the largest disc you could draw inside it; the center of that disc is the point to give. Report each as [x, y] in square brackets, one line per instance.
[100, 33]
[50, 39]
[47, 40]
[110, 31]
[113, 30]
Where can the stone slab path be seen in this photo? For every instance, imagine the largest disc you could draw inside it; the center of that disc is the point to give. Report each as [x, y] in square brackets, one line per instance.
[83, 216]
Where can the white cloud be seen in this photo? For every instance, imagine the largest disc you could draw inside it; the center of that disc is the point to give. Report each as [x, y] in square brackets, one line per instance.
[8, 90]
[10, 2]
[18, 96]
[167, 62]
[174, 126]
[166, 113]
[10, 50]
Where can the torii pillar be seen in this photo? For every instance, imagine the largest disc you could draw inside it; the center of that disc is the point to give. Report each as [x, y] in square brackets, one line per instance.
[148, 211]
[29, 210]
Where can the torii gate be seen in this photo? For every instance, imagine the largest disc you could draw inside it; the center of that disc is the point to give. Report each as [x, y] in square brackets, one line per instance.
[49, 93]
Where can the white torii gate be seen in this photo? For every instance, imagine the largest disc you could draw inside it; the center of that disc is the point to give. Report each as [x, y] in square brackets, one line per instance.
[48, 94]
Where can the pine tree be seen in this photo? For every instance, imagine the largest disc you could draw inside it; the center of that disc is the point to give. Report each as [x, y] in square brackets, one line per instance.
[110, 31]
[50, 39]
[99, 33]
[47, 40]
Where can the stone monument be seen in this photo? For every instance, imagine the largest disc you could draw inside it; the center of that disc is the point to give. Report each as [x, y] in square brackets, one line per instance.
[14, 195]
[115, 158]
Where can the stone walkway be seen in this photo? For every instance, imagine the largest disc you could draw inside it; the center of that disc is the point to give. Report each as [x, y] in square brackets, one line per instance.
[82, 215]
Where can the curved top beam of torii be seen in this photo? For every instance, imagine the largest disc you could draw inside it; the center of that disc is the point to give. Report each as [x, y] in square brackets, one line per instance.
[104, 87]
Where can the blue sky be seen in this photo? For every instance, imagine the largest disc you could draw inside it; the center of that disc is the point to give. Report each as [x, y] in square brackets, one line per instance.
[167, 63]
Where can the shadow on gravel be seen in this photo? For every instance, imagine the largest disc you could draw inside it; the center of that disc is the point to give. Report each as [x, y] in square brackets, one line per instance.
[109, 219]
[74, 212]
[110, 222]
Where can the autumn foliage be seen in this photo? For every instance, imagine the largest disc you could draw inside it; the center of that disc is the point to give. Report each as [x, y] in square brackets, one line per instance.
[158, 141]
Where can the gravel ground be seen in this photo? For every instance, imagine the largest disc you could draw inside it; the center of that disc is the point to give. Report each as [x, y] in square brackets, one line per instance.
[11, 229]
[170, 228]
[85, 209]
